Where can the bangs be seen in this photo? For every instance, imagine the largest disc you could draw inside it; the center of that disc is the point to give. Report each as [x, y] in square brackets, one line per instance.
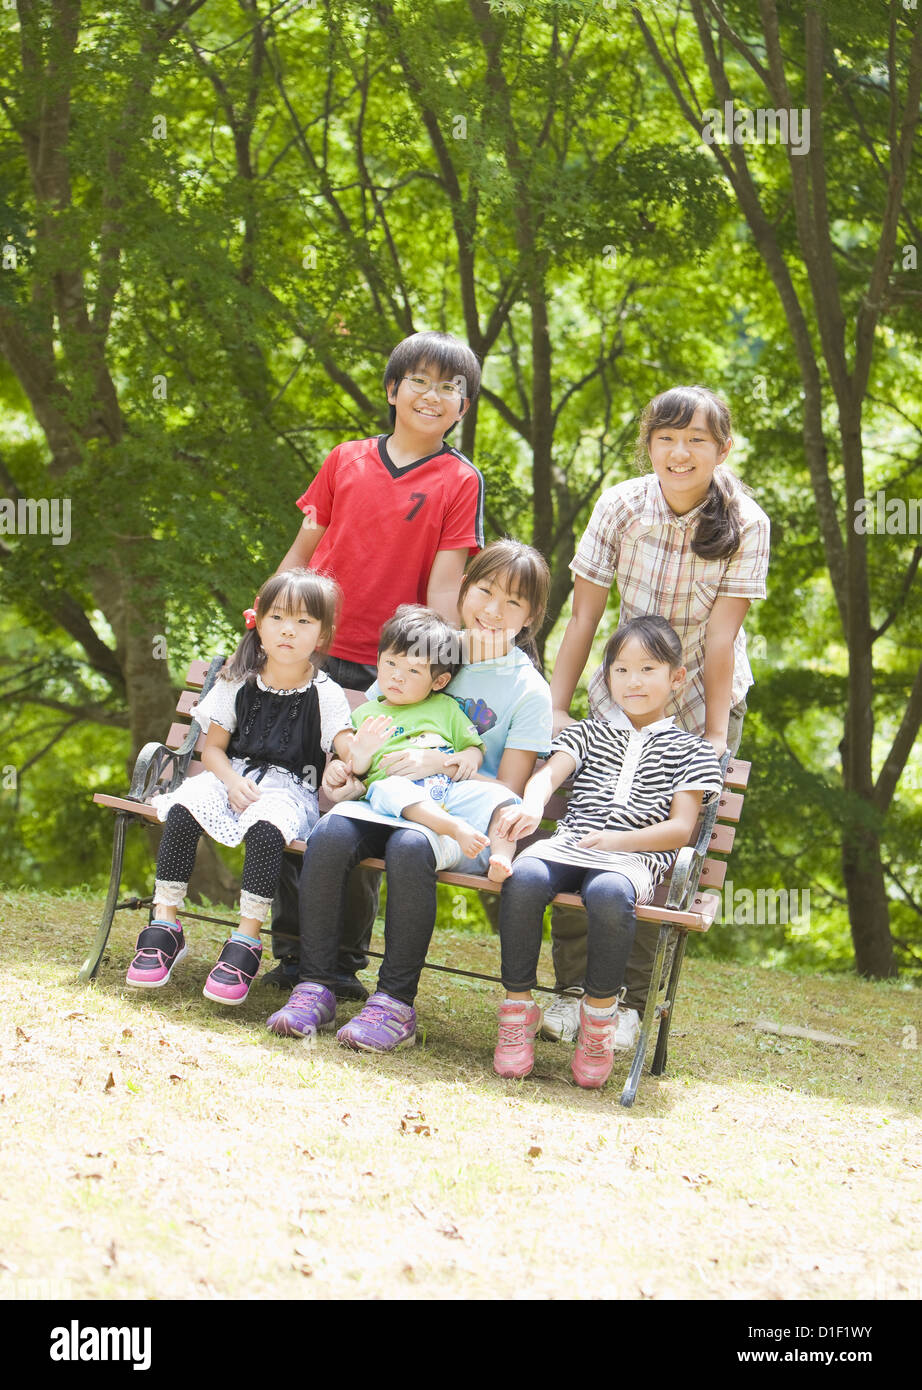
[658, 639]
[297, 590]
[675, 408]
[520, 581]
[291, 596]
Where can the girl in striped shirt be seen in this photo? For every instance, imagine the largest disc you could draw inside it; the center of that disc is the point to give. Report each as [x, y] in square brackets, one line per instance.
[637, 791]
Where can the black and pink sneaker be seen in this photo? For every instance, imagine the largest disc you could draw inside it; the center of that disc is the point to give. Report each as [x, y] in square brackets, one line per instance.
[160, 947]
[234, 972]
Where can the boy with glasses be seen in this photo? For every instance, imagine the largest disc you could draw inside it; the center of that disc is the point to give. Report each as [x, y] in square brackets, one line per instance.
[393, 519]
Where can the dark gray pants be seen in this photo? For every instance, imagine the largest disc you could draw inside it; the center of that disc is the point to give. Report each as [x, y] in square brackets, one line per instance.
[334, 849]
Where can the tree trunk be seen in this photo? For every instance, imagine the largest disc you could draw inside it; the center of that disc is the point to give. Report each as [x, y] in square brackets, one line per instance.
[868, 907]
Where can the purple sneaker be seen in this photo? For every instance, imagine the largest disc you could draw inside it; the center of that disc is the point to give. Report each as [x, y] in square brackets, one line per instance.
[160, 947]
[383, 1025]
[310, 1010]
[233, 972]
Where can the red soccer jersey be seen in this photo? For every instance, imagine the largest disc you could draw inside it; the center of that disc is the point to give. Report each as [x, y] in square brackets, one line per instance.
[384, 527]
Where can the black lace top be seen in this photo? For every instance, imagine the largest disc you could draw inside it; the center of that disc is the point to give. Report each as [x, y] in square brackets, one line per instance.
[279, 729]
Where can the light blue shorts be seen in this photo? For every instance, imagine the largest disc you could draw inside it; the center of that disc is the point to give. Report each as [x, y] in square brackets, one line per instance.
[473, 801]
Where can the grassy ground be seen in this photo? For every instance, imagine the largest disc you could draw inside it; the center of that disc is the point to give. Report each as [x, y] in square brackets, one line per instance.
[156, 1146]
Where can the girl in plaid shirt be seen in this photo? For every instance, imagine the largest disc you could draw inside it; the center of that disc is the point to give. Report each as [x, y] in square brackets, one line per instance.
[687, 542]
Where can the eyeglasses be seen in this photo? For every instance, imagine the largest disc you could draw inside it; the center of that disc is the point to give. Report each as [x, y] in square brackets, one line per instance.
[420, 384]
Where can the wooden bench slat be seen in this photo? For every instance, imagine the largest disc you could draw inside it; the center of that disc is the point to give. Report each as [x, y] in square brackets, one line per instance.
[179, 732]
[713, 873]
[722, 837]
[123, 803]
[730, 806]
[187, 701]
[197, 672]
[700, 916]
[737, 775]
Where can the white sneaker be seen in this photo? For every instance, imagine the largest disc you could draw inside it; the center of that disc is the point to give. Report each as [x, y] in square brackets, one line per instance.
[627, 1031]
[561, 1019]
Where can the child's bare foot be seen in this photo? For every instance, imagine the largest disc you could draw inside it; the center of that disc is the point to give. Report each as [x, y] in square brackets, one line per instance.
[500, 867]
[470, 840]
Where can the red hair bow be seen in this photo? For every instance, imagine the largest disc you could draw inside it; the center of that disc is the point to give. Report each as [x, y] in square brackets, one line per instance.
[249, 614]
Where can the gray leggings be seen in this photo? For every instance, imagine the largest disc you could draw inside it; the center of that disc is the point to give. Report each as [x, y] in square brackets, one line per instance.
[609, 899]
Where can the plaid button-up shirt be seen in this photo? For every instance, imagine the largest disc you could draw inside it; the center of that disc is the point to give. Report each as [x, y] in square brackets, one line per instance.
[634, 536]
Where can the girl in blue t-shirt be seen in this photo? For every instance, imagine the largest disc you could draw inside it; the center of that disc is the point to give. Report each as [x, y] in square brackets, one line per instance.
[502, 604]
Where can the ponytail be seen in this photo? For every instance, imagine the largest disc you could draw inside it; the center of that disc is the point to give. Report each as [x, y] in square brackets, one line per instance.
[720, 525]
[247, 661]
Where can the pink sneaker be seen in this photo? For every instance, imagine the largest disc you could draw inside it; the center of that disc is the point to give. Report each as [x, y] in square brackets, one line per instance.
[594, 1055]
[233, 972]
[160, 947]
[519, 1021]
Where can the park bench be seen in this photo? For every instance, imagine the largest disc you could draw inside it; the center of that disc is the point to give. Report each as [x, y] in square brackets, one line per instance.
[680, 905]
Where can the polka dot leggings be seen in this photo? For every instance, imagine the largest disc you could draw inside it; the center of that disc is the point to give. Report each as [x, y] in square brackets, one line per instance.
[262, 864]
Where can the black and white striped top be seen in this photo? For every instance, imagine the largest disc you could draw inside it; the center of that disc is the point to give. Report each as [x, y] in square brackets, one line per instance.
[625, 780]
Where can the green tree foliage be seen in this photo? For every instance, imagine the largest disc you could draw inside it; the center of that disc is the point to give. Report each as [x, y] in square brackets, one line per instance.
[220, 215]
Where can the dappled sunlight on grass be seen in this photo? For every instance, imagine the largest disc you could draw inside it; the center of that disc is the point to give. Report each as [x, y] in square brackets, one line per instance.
[172, 1149]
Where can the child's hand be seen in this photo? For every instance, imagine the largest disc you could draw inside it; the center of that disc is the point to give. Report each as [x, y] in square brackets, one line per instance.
[606, 840]
[465, 763]
[413, 763]
[341, 784]
[373, 735]
[515, 822]
[336, 775]
[242, 793]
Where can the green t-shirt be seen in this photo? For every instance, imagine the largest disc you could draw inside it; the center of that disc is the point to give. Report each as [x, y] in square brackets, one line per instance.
[436, 722]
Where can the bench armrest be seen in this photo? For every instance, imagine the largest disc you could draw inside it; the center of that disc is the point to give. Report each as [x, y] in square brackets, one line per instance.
[686, 870]
[154, 760]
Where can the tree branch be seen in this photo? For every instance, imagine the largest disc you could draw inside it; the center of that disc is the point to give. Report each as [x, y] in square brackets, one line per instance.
[901, 747]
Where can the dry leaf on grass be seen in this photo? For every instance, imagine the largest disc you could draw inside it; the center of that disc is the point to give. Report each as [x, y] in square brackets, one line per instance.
[697, 1180]
[407, 1125]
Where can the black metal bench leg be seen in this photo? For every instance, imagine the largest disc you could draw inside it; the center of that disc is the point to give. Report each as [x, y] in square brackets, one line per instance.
[646, 1024]
[662, 1037]
[91, 964]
